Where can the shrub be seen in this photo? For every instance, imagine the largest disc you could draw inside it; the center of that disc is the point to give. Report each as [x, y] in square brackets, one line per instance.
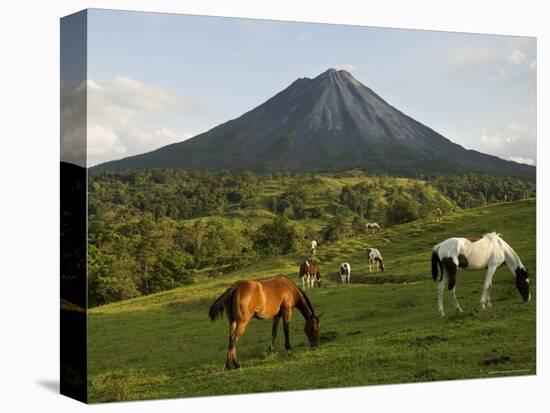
[402, 208]
[170, 270]
[276, 238]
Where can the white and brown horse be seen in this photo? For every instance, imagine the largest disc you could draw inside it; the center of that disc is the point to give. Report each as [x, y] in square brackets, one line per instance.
[489, 252]
[375, 258]
[313, 249]
[345, 272]
[310, 274]
[373, 227]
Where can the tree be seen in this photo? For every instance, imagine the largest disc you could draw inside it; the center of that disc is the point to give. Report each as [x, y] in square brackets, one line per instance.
[336, 230]
[146, 249]
[358, 225]
[100, 268]
[402, 208]
[278, 237]
[109, 279]
[169, 271]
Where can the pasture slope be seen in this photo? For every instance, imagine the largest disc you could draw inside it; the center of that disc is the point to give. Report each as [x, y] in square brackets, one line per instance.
[382, 328]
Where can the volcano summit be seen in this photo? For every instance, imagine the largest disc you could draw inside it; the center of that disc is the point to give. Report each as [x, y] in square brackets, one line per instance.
[329, 123]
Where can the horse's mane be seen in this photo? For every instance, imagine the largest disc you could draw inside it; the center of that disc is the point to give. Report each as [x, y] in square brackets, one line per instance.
[307, 300]
[492, 235]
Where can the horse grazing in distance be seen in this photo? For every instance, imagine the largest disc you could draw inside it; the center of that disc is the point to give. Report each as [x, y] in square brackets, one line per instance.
[373, 227]
[272, 298]
[438, 215]
[488, 252]
[310, 273]
[345, 272]
[375, 258]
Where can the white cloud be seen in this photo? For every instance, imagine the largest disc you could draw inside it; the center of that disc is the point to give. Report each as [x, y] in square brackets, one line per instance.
[73, 117]
[533, 64]
[103, 141]
[169, 135]
[500, 75]
[124, 117]
[519, 159]
[493, 142]
[472, 56]
[516, 57]
[356, 70]
[513, 139]
[349, 67]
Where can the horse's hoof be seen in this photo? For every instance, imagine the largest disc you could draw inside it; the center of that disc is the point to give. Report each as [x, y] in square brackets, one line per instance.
[483, 307]
[441, 314]
[489, 305]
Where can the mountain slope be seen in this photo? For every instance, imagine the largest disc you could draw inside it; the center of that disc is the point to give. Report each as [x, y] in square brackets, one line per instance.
[329, 123]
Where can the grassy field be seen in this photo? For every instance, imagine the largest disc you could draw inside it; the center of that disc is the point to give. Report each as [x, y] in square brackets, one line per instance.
[382, 328]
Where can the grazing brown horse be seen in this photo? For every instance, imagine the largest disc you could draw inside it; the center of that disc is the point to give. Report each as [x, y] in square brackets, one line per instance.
[310, 273]
[438, 215]
[271, 298]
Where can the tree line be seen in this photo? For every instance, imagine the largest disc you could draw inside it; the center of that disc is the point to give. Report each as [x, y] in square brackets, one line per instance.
[154, 230]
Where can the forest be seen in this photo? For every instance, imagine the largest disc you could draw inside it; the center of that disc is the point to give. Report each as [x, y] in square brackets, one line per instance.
[157, 229]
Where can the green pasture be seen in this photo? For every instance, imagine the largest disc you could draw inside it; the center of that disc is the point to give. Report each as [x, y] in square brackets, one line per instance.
[382, 328]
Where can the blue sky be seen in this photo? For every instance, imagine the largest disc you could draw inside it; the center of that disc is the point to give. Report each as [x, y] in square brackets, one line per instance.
[159, 78]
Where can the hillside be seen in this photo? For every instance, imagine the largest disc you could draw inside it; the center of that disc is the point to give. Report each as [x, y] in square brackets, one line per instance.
[383, 328]
[330, 123]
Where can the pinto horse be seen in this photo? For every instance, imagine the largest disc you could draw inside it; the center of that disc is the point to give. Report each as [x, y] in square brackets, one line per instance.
[373, 226]
[489, 252]
[345, 272]
[310, 274]
[375, 258]
[271, 298]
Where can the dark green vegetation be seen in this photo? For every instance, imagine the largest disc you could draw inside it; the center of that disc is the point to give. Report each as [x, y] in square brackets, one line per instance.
[329, 123]
[382, 328]
[154, 230]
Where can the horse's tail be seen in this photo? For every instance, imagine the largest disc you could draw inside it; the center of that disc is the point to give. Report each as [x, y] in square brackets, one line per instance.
[436, 264]
[221, 303]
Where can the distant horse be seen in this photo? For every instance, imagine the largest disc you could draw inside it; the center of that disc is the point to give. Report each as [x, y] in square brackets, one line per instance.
[271, 298]
[375, 258]
[438, 215]
[310, 273]
[373, 226]
[345, 272]
[489, 252]
[313, 247]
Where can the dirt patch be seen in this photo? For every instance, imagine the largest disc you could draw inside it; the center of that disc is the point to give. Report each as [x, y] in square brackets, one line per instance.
[380, 279]
[493, 361]
[427, 341]
[328, 336]
[426, 374]
[364, 315]
[406, 302]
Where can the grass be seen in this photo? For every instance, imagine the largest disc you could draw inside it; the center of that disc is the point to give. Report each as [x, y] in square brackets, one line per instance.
[382, 328]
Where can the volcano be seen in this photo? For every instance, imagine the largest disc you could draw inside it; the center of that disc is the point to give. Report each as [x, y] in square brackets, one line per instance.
[329, 123]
